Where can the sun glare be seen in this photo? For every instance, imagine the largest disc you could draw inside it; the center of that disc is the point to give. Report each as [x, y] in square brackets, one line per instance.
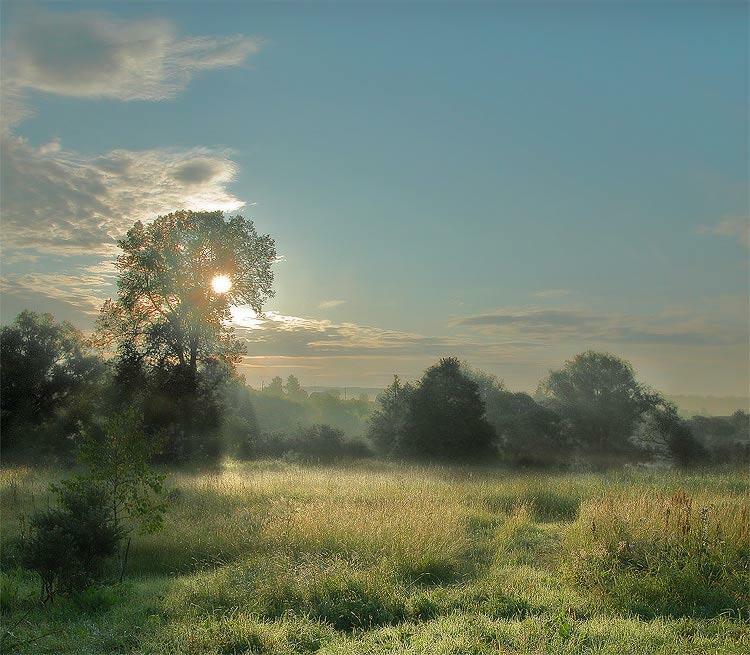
[221, 284]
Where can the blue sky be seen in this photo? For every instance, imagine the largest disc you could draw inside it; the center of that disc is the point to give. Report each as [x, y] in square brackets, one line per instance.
[511, 183]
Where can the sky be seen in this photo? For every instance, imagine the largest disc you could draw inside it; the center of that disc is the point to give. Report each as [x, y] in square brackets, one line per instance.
[509, 183]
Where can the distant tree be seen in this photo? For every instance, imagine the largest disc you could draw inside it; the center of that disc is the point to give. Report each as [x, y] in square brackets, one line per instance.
[388, 421]
[275, 388]
[447, 417]
[602, 404]
[528, 433]
[293, 388]
[240, 427]
[725, 438]
[169, 325]
[684, 448]
[46, 368]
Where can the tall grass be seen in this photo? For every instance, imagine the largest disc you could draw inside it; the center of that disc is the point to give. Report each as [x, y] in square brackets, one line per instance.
[666, 554]
[272, 557]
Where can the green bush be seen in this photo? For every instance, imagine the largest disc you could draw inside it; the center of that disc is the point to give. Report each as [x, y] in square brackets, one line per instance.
[69, 544]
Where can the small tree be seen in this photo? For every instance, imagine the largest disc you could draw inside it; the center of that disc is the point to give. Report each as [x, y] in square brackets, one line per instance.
[275, 388]
[388, 421]
[69, 544]
[293, 388]
[446, 417]
[117, 455]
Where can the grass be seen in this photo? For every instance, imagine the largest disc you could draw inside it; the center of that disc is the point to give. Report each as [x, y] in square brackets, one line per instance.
[270, 557]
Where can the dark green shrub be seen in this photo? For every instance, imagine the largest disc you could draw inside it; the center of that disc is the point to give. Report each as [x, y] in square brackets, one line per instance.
[68, 545]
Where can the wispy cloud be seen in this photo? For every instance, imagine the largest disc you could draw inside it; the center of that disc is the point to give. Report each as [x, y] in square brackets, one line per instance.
[575, 325]
[83, 292]
[733, 227]
[58, 201]
[330, 304]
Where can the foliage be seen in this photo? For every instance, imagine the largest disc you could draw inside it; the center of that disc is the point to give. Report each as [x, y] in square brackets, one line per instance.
[529, 434]
[68, 545]
[171, 331]
[389, 421]
[446, 417]
[280, 408]
[166, 312]
[117, 456]
[601, 404]
[293, 389]
[48, 373]
[725, 438]
[315, 443]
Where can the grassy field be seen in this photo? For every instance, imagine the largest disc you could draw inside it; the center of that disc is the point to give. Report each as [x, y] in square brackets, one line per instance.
[376, 558]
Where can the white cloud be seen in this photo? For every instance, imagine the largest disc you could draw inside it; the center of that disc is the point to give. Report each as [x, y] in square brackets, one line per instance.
[57, 201]
[94, 55]
[83, 292]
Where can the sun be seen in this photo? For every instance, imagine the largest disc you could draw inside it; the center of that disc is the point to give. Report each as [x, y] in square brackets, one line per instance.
[221, 283]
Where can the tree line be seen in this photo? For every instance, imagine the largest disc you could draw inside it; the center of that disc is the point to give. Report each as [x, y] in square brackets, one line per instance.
[591, 412]
[164, 350]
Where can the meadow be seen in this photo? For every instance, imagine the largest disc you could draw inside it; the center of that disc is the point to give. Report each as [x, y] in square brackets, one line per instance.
[277, 557]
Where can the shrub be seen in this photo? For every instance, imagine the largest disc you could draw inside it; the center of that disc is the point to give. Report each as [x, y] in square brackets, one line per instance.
[317, 443]
[69, 544]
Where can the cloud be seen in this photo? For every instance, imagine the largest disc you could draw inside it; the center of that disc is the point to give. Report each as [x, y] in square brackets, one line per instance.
[528, 318]
[94, 55]
[573, 325]
[330, 304]
[279, 334]
[85, 292]
[58, 201]
[734, 227]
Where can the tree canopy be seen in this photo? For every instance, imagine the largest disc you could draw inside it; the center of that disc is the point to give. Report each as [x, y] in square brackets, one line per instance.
[601, 402]
[446, 418]
[169, 313]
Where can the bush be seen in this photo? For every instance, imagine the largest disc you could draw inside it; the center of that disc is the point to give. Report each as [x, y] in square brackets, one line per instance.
[317, 443]
[69, 544]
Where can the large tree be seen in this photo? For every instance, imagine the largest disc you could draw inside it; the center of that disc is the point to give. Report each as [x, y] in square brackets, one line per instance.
[170, 322]
[178, 277]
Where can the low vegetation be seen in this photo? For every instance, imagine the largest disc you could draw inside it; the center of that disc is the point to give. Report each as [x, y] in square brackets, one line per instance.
[276, 557]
